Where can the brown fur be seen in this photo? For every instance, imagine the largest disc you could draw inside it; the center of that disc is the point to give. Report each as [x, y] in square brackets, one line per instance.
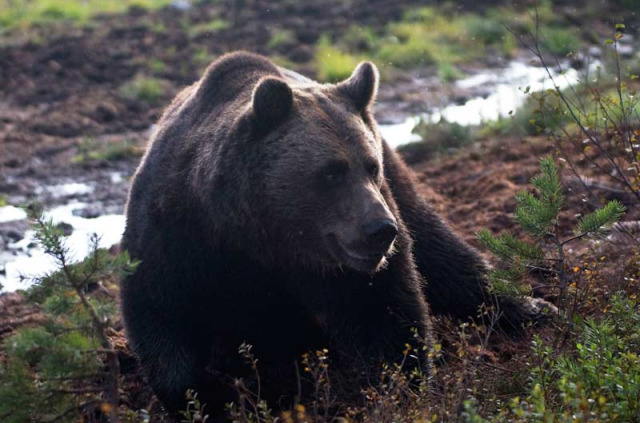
[268, 210]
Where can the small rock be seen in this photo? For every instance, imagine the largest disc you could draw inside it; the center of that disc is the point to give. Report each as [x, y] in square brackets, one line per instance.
[181, 5]
[13, 235]
[106, 112]
[625, 50]
[66, 228]
[90, 212]
[578, 62]
[594, 51]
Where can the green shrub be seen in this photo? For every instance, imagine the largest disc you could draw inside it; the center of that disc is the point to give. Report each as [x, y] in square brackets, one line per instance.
[485, 29]
[559, 41]
[599, 382]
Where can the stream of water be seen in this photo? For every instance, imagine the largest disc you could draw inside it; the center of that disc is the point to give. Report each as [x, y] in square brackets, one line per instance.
[506, 92]
[506, 88]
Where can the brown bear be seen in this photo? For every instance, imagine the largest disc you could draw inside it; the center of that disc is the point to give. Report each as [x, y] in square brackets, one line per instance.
[268, 210]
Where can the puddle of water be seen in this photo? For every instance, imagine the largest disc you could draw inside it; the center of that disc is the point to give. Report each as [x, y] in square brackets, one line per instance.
[32, 262]
[11, 213]
[65, 190]
[507, 88]
[116, 177]
[400, 133]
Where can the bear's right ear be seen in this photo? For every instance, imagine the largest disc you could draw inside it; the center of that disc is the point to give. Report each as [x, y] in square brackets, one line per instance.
[272, 102]
[362, 86]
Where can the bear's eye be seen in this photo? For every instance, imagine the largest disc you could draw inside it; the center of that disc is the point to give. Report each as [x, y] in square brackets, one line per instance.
[373, 169]
[334, 173]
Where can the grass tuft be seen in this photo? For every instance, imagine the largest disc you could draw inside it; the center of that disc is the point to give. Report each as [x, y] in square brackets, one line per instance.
[331, 63]
[146, 89]
[23, 14]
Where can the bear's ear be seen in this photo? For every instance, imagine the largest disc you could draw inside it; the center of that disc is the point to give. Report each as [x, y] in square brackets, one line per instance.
[362, 86]
[272, 102]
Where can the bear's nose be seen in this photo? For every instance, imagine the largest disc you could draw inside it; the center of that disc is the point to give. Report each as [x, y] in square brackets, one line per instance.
[381, 232]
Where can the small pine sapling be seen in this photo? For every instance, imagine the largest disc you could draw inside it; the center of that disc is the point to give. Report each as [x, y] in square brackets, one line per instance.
[538, 215]
[65, 368]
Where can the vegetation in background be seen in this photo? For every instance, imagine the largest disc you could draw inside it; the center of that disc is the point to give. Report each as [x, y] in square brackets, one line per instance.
[90, 150]
[441, 37]
[436, 138]
[66, 367]
[560, 41]
[333, 65]
[22, 14]
[147, 89]
[207, 27]
[282, 38]
[599, 119]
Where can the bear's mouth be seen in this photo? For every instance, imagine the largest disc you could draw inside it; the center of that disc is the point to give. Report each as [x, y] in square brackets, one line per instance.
[357, 259]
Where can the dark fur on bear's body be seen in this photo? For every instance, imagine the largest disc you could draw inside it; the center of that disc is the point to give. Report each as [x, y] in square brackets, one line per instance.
[230, 222]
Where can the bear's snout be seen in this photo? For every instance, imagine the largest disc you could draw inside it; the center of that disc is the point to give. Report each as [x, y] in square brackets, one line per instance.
[380, 233]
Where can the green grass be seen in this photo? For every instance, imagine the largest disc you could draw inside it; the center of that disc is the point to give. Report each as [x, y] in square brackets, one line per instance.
[331, 63]
[143, 88]
[281, 38]
[90, 150]
[559, 41]
[425, 36]
[360, 38]
[211, 27]
[156, 65]
[25, 13]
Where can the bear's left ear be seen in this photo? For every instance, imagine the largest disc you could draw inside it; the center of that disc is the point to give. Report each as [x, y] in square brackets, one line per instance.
[362, 86]
[271, 102]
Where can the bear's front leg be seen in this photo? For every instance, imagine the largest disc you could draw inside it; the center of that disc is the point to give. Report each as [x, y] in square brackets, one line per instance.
[455, 273]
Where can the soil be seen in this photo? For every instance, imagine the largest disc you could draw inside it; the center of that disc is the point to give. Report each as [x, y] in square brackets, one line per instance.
[60, 90]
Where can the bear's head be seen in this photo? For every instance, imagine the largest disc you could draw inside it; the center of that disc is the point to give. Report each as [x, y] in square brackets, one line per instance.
[288, 170]
[317, 177]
